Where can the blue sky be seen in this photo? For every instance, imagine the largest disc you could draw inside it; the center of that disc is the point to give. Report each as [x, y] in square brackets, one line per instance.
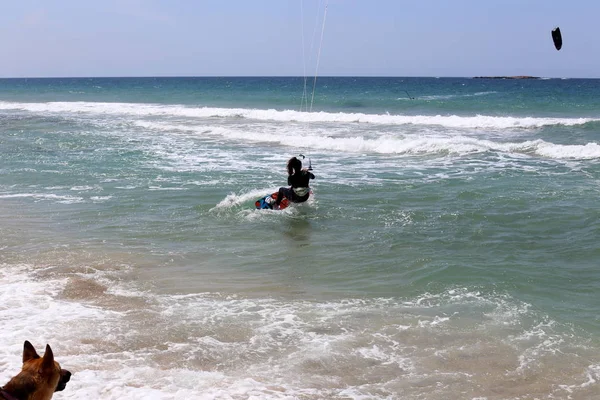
[264, 38]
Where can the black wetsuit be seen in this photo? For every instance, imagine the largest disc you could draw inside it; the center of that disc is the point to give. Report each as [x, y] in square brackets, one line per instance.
[299, 182]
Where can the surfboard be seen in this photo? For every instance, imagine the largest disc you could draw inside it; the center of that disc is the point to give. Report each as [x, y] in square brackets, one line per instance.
[268, 202]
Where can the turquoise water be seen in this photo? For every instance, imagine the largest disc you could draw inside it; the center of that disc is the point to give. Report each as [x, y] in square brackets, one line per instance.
[450, 248]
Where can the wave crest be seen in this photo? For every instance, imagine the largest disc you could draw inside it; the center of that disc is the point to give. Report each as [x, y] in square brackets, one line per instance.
[150, 110]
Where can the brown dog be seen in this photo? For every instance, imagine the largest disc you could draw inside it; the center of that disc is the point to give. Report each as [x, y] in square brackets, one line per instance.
[39, 378]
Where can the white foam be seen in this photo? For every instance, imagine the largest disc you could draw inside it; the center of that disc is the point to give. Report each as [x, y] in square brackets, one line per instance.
[84, 188]
[162, 188]
[100, 199]
[150, 110]
[204, 346]
[388, 144]
[587, 151]
[453, 96]
[234, 200]
[42, 196]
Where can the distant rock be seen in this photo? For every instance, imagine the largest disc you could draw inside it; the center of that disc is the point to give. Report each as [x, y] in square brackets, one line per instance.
[507, 77]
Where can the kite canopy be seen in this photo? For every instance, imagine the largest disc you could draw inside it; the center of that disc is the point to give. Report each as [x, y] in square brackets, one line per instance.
[557, 38]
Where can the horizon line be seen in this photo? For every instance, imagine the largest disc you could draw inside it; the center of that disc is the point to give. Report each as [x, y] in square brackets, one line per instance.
[293, 76]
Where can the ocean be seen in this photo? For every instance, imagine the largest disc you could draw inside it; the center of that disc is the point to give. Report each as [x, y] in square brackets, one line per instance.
[450, 248]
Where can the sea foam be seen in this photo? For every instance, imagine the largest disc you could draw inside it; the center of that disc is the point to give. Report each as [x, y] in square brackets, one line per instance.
[148, 110]
[403, 144]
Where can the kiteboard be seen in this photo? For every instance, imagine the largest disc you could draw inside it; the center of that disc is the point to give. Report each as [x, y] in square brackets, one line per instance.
[268, 202]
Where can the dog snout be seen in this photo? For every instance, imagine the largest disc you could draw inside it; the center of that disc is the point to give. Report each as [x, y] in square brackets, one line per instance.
[65, 376]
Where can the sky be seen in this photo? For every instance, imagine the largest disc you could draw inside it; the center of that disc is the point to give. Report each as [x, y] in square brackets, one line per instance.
[458, 38]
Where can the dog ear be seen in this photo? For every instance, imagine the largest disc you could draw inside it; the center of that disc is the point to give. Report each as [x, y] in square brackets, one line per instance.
[29, 352]
[48, 359]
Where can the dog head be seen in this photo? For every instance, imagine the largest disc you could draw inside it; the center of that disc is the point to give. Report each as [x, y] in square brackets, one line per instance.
[40, 377]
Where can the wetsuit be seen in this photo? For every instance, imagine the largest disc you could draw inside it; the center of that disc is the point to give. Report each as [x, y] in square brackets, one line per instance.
[299, 190]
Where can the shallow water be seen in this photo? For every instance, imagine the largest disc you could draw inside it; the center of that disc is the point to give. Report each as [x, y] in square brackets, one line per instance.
[449, 250]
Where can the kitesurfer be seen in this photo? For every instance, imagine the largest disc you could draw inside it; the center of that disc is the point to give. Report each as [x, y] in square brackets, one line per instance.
[298, 179]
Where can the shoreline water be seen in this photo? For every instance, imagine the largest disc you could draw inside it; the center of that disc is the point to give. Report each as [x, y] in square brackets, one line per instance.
[449, 249]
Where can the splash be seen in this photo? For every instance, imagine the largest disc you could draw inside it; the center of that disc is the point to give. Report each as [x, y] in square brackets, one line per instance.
[235, 200]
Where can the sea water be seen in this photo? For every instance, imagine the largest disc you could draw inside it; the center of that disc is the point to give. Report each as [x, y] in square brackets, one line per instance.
[450, 248]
